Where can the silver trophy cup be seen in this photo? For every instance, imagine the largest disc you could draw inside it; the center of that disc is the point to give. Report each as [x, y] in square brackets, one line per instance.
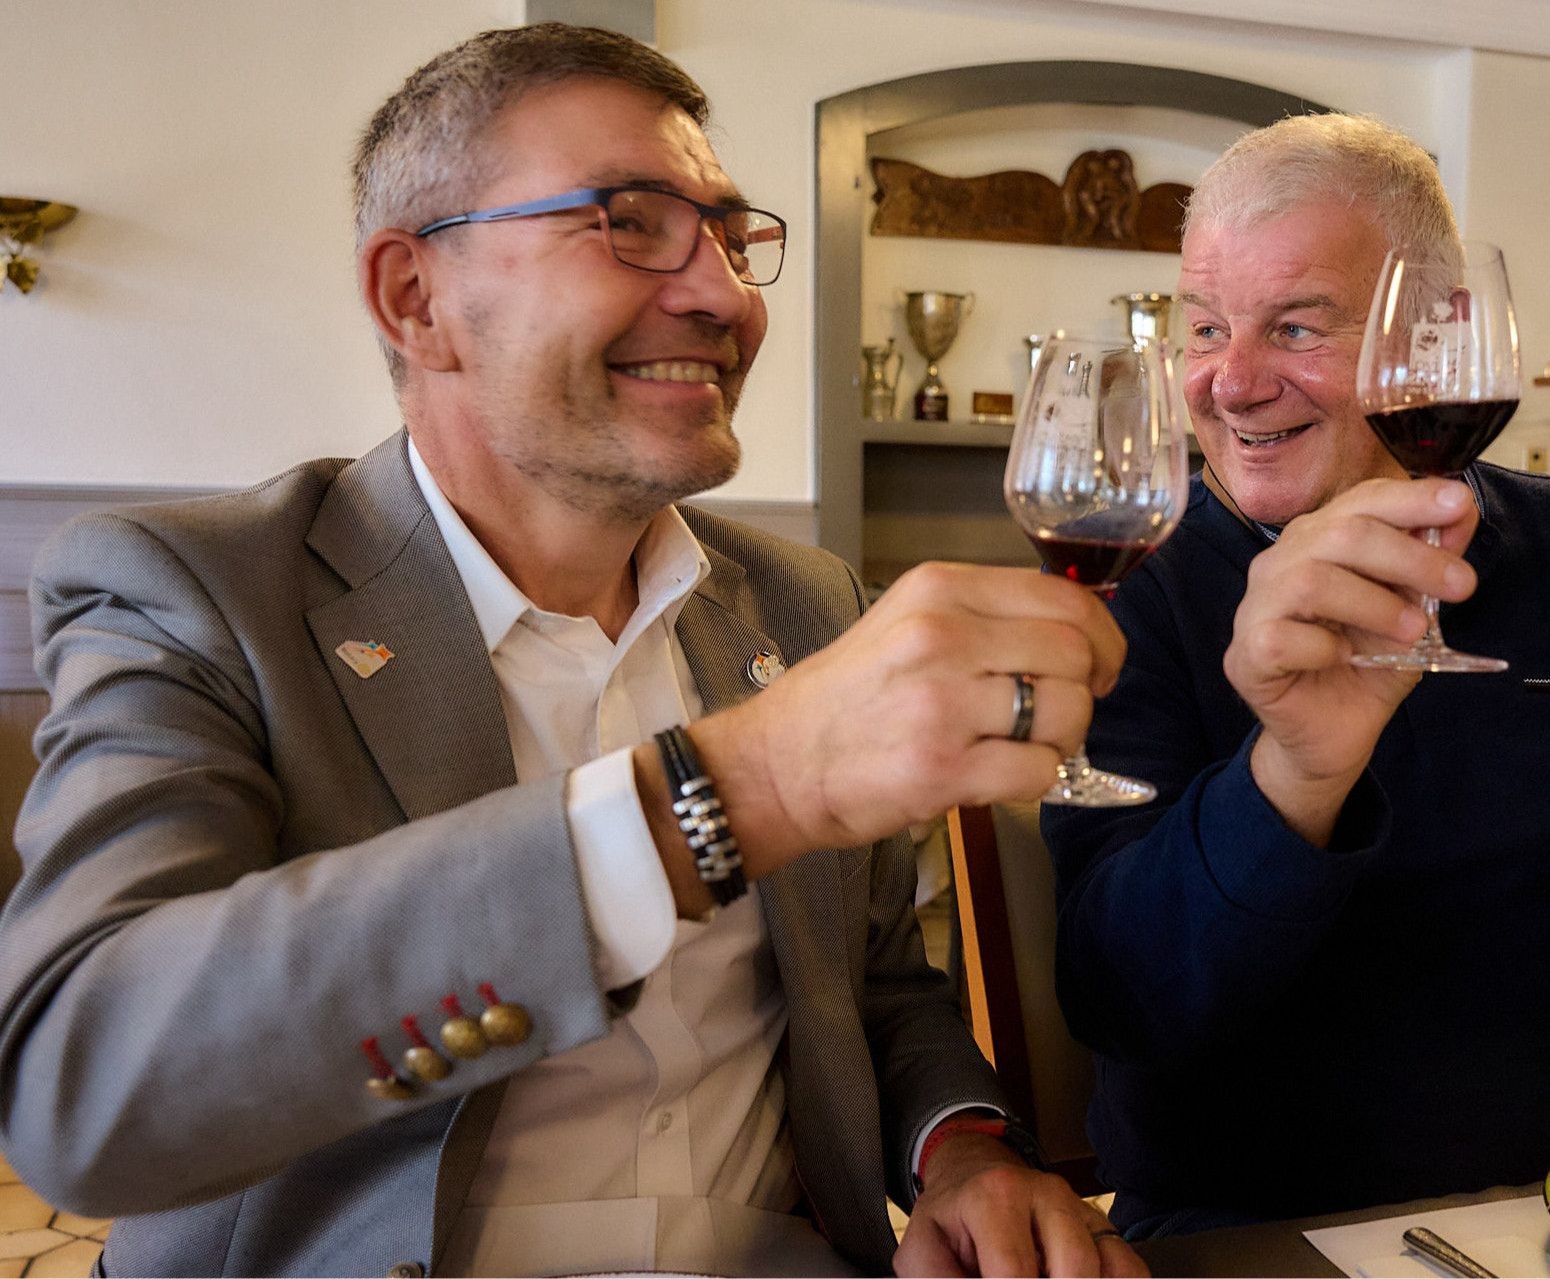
[933, 319]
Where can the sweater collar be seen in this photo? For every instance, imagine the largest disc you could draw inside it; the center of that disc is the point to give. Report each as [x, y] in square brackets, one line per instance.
[1482, 553]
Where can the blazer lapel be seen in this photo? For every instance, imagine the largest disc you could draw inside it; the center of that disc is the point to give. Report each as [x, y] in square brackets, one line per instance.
[818, 935]
[718, 637]
[431, 716]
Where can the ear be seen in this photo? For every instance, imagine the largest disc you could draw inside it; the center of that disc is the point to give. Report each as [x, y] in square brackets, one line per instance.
[396, 270]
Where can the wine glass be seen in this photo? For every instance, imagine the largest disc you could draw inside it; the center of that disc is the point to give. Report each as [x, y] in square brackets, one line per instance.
[1438, 379]
[1097, 477]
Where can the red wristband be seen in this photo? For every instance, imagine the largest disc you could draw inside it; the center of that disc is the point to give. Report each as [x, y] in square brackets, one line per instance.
[951, 1127]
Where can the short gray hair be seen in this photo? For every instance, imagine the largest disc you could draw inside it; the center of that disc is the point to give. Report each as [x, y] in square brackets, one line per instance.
[1350, 158]
[423, 157]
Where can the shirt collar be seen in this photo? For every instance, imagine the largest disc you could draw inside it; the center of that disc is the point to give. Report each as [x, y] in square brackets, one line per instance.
[669, 564]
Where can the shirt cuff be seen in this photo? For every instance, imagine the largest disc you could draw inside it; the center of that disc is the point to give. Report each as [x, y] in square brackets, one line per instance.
[623, 884]
[931, 1126]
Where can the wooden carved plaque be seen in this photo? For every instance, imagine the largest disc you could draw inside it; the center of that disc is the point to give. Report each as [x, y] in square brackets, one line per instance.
[1099, 205]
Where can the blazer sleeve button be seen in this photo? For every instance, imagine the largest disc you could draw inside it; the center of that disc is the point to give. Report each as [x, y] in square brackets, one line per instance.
[460, 1032]
[406, 1270]
[506, 1023]
[392, 1088]
[502, 1023]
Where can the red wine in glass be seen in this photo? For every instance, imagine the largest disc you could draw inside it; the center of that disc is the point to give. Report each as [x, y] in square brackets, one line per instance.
[1100, 563]
[1097, 478]
[1441, 439]
[1438, 378]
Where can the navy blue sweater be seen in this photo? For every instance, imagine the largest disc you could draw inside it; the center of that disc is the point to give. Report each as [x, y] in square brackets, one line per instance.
[1283, 1029]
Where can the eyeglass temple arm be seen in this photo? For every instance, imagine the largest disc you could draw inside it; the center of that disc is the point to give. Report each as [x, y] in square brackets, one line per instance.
[442, 224]
[526, 209]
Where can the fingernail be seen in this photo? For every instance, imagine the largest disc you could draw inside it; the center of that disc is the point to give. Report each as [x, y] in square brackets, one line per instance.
[1452, 496]
[1458, 576]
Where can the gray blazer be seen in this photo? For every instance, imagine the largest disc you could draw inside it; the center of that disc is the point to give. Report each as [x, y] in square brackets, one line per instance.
[241, 859]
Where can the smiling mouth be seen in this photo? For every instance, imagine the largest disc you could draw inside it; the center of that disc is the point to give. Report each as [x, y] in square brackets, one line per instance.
[672, 371]
[1261, 441]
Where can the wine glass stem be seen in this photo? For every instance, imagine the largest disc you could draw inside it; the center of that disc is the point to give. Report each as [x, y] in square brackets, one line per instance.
[1074, 767]
[1433, 637]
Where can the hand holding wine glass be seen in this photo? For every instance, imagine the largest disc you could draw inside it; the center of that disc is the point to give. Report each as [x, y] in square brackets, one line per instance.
[1097, 479]
[1438, 379]
[1341, 579]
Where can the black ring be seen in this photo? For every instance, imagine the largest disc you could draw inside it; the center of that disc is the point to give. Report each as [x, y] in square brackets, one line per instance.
[1022, 707]
[1109, 1233]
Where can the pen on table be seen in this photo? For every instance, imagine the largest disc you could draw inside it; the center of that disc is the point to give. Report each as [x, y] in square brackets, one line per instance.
[1438, 1248]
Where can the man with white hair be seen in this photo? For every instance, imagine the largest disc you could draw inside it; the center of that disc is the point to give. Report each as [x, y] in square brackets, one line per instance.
[1317, 970]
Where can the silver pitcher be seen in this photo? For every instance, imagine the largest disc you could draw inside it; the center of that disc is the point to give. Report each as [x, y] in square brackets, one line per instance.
[877, 386]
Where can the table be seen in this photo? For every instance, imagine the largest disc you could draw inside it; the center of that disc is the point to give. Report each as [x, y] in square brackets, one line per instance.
[1277, 1247]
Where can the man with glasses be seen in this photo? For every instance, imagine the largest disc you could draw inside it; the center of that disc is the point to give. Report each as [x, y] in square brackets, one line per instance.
[376, 774]
[657, 230]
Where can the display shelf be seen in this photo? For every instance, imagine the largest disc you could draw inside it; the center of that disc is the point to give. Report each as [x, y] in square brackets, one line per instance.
[880, 482]
[953, 434]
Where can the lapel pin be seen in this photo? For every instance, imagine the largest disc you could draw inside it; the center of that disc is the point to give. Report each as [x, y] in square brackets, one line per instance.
[364, 657]
[765, 667]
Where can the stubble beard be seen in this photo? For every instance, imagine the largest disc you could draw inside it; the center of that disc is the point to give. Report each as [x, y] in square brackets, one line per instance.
[583, 459]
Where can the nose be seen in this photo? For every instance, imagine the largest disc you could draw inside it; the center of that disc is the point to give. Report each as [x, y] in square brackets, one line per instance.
[708, 285]
[1240, 377]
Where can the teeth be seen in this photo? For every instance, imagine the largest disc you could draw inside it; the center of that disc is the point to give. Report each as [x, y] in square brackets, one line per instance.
[673, 371]
[1269, 439]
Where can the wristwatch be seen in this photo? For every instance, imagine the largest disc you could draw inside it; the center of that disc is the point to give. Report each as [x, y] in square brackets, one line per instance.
[1011, 1133]
[1022, 1143]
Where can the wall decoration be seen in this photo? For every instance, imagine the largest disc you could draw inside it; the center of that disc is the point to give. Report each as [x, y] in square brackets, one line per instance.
[23, 223]
[1098, 205]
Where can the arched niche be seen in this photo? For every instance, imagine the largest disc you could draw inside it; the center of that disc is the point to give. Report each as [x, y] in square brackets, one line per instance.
[844, 125]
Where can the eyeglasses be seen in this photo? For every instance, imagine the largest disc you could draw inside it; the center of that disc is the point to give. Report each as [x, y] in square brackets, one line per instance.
[658, 230]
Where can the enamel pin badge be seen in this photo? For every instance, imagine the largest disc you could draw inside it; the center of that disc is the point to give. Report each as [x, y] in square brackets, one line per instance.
[764, 668]
[364, 657]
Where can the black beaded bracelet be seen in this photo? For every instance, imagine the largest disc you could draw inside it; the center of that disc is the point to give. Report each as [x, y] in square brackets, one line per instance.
[701, 818]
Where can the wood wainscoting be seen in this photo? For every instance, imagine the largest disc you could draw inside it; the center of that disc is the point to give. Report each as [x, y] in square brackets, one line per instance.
[29, 513]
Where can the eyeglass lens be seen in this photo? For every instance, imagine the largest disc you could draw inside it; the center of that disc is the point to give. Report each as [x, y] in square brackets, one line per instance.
[657, 231]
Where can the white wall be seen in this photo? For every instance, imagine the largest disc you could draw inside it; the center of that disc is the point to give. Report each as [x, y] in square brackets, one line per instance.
[1512, 26]
[197, 324]
[1507, 199]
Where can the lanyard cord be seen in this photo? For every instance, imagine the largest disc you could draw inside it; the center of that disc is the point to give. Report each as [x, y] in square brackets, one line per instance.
[1272, 533]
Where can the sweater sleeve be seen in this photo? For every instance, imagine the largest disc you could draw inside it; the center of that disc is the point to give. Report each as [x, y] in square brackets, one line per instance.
[1177, 917]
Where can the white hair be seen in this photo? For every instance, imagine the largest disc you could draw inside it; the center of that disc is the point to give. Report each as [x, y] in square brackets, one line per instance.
[1352, 159]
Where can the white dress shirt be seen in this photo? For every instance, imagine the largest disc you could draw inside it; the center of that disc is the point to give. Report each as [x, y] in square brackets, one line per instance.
[662, 1146]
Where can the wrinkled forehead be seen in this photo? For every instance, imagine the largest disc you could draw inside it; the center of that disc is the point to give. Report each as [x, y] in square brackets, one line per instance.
[1327, 250]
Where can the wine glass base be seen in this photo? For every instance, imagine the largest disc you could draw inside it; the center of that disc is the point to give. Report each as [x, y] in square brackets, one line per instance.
[1438, 658]
[1093, 788]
